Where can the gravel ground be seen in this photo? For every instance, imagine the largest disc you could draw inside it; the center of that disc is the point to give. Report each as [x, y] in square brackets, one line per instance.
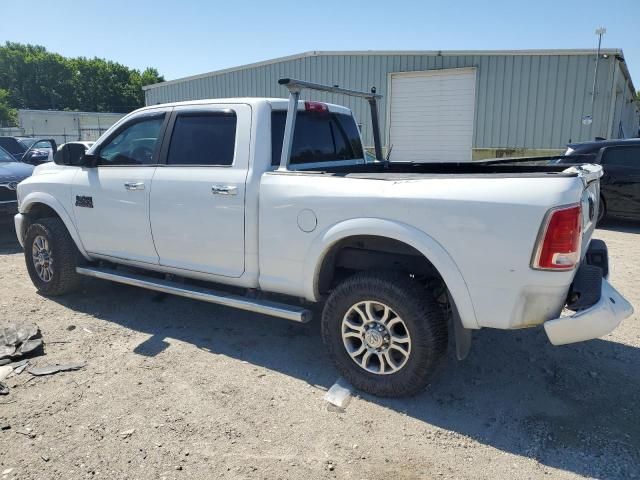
[174, 388]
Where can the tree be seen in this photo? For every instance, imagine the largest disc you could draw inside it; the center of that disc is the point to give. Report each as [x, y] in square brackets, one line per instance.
[8, 115]
[39, 79]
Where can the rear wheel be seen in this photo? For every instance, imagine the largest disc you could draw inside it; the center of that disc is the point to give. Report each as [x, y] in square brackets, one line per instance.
[51, 257]
[602, 211]
[385, 333]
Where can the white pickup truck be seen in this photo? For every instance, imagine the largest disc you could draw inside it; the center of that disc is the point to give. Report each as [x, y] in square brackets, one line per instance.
[271, 205]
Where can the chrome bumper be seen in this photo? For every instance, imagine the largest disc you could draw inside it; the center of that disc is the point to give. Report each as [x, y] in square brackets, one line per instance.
[593, 322]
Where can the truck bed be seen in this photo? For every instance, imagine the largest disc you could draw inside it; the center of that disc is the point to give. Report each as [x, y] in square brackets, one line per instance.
[408, 171]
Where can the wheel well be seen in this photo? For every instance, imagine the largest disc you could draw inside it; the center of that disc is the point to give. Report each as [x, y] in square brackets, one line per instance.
[368, 252]
[36, 211]
[41, 210]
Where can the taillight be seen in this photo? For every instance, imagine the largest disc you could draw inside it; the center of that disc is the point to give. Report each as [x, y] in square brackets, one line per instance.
[558, 246]
[316, 107]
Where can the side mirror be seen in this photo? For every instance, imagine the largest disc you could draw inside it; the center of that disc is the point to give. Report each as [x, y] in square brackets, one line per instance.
[30, 158]
[70, 154]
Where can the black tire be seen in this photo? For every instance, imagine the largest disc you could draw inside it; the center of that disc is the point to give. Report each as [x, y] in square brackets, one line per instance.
[424, 320]
[63, 251]
[602, 211]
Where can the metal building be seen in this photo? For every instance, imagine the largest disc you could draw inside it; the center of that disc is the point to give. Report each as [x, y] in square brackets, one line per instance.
[451, 105]
[65, 126]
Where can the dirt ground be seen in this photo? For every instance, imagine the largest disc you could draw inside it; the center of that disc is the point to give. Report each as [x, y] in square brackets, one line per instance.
[211, 392]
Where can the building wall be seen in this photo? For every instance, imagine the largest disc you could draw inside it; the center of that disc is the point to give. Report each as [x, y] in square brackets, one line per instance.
[524, 102]
[65, 126]
[624, 111]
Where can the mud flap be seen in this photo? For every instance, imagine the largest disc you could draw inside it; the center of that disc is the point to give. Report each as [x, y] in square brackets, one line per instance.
[462, 335]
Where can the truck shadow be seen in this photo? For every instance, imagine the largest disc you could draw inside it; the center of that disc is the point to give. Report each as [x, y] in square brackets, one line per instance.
[620, 225]
[574, 407]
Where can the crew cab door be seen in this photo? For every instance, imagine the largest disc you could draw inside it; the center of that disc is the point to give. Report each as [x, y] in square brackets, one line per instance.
[111, 200]
[198, 195]
[621, 181]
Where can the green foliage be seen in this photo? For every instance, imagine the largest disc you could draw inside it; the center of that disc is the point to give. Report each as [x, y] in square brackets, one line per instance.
[38, 79]
[8, 115]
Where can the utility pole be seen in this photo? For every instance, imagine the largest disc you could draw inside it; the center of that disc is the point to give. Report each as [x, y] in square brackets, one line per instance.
[589, 119]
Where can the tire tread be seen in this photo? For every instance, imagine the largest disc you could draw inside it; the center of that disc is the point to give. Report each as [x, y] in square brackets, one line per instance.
[429, 333]
[66, 257]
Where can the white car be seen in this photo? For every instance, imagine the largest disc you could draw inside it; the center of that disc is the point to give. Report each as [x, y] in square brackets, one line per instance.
[274, 195]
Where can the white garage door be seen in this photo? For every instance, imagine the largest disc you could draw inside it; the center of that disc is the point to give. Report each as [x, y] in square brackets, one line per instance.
[431, 115]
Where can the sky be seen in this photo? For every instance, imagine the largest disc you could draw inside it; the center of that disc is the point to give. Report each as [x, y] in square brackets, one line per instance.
[189, 37]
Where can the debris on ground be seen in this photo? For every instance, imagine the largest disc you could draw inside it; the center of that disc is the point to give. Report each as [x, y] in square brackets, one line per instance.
[26, 431]
[18, 340]
[18, 367]
[339, 394]
[56, 367]
[5, 371]
[4, 390]
[127, 433]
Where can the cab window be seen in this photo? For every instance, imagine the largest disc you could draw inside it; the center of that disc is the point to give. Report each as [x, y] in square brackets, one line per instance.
[135, 144]
[204, 139]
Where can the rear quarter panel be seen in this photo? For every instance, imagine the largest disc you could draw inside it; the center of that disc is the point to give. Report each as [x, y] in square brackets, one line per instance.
[486, 226]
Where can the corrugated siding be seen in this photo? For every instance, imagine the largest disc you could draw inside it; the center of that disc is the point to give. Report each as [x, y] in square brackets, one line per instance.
[624, 111]
[522, 101]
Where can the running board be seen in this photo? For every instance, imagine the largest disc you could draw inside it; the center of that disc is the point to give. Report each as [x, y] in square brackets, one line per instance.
[274, 309]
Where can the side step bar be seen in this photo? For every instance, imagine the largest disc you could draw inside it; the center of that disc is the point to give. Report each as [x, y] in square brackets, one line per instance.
[274, 309]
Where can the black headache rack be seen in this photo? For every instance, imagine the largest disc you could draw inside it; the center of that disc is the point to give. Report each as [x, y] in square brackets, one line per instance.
[296, 86]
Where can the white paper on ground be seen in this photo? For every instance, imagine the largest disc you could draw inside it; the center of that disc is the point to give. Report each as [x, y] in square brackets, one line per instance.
[339, 394]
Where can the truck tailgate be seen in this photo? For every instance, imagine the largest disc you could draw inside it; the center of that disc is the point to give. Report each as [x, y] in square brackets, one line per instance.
[590, 200]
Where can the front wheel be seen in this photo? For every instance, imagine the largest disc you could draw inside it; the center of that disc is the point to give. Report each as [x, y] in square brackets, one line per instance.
[51, 257]
[384, 332]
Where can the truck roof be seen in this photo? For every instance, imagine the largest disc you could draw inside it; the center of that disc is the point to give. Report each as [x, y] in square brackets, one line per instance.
[275, 103]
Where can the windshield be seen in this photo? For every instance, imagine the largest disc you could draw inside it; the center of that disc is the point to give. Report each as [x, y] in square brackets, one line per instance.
[12, 145]
[6, 156]
[27, 142]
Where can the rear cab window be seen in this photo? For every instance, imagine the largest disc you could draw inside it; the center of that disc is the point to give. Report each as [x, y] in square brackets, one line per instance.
[203, 139]
[320, 139]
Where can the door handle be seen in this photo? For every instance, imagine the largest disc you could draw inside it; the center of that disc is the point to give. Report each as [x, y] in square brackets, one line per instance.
[134, 185]
[224, 190]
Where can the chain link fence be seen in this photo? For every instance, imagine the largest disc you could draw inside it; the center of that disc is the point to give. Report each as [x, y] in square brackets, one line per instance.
[83, 134]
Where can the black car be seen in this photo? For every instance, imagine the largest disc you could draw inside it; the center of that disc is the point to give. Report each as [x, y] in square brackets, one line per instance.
[620, 184]
[12, 172]
[29, 150]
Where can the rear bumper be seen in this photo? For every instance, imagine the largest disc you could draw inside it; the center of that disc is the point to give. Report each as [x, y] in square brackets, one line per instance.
[593, 322]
